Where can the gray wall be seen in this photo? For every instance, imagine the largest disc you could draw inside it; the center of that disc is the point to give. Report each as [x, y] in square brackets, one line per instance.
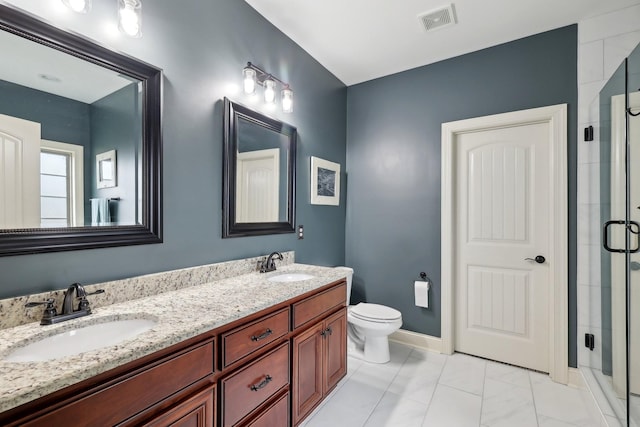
[393, 161]
[116, 124]
[62, 119]
[202, 48]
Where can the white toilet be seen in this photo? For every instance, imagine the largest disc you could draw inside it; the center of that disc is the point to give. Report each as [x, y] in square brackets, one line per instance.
[369, 326]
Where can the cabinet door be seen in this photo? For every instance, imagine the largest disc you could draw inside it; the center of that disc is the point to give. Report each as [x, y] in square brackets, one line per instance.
[197, 411]
[335, 355]
[307, 371]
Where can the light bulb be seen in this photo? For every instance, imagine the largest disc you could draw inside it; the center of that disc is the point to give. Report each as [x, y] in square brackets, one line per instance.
[269, 91]
[287, 100]
[130, 17]
[80, 6]
[249, 75]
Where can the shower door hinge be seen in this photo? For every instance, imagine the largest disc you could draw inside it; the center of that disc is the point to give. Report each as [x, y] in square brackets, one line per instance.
[589, 341]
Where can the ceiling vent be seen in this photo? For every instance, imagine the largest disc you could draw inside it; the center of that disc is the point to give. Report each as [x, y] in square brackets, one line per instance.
[439, 18]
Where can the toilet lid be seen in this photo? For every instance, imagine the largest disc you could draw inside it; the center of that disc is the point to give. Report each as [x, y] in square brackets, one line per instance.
[375, 312]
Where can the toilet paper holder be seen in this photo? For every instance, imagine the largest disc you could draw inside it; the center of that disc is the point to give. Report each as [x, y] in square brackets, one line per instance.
[424, 277]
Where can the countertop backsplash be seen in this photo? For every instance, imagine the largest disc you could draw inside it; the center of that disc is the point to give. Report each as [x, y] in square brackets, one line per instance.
[13, 312]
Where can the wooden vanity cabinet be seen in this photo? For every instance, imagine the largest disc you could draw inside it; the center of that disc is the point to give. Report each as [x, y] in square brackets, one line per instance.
[176, 386]
[319, 352]
[272, 369]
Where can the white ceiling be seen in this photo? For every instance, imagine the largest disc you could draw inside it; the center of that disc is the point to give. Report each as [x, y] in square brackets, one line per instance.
[359, 40]
[26, 62]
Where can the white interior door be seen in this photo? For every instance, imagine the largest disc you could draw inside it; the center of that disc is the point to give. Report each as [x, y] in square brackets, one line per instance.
[257, 182]
[19, 173]
[502, 186]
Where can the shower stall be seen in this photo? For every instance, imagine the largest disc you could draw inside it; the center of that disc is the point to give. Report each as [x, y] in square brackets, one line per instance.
[617, 377]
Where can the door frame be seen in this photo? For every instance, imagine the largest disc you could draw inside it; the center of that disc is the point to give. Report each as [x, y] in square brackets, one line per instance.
[556, 117]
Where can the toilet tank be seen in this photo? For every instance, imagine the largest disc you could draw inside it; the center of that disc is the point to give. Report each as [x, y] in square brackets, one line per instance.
[348, 271]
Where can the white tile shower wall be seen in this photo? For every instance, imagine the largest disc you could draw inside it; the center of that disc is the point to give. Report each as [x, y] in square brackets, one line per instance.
[604, 41]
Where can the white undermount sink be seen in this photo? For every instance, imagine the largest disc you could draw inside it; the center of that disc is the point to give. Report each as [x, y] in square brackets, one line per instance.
[79, 340]
[290, 277]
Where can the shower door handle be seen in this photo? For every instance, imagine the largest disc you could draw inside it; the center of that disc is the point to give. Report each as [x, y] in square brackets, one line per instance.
[605, 236]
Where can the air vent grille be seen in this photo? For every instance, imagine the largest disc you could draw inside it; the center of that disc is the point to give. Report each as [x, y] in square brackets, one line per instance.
[439, 18]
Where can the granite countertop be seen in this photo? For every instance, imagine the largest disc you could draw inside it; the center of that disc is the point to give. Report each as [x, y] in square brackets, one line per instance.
[180, 315]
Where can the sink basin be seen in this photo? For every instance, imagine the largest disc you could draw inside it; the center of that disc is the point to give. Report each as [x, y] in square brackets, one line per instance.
[290, 277]
[79, 340]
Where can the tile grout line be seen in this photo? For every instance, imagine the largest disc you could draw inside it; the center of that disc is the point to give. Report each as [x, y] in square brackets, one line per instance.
[484, 384]
[436, 388]
[533, 398]
[386, 389]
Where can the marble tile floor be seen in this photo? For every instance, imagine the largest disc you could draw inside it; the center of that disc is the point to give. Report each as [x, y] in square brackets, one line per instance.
[420, 388]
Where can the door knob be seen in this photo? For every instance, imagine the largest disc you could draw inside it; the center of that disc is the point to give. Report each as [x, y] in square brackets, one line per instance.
[539, 259]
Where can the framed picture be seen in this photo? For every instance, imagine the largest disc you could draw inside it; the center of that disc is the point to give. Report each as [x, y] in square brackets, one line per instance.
[325, 182]
[107, 169]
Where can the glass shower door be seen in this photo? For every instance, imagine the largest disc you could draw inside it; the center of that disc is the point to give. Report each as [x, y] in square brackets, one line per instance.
[620, 260]
[632, 110]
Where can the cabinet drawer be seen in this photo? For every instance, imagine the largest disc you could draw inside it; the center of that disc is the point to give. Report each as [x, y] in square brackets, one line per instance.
[317, 305]
[196, 411]
[275, 415]
[253, 385]
[246, 339]
[128, 397]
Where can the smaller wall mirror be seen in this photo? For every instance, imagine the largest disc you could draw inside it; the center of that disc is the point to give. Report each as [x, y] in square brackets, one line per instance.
[259, 173]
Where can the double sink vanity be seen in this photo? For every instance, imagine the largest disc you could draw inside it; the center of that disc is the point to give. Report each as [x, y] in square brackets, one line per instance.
[221, 344]
[254, 349]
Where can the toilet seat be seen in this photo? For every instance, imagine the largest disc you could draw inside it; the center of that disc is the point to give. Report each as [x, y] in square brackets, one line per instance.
[374, 313]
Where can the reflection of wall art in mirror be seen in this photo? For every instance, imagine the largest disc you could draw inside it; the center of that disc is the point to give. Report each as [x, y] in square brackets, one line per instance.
[107, 169]
[70, 100]
[325, 182]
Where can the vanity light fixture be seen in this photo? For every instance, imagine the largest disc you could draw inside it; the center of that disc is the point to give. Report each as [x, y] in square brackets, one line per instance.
[130, 17]
[80, 6]
[254, 75]
[249, 75]
[287, 100]
[270, 91]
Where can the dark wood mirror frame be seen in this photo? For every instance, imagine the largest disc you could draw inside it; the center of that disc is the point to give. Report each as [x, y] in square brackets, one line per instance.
[231, 228]
[29, 241]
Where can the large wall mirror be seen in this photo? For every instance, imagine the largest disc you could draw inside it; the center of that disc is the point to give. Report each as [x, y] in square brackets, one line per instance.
[80, 142]
[259, 173]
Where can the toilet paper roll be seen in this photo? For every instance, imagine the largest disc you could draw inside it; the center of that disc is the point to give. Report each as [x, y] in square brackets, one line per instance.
[422, 293]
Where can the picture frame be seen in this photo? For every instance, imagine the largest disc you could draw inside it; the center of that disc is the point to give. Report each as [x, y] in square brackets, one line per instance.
[325, 182]
[107, 169]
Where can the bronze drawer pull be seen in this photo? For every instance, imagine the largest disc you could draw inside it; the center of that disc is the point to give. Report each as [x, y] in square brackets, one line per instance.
[263, 384]
[262, 336]
[326, 332]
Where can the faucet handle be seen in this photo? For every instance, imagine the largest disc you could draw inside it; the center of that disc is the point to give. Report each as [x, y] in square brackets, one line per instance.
[97, 291]
[50, 309]
[84, 303]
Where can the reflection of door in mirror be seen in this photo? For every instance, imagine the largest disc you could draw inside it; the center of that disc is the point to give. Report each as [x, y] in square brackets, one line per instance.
[19, 173]
[257, 180]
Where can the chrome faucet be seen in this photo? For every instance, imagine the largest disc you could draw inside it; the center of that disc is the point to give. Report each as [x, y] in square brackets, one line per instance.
[75, 291]
[269, 264]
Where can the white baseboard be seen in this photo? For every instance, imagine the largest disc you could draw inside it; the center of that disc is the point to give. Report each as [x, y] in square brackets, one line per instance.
[415, 339]
[576, 379]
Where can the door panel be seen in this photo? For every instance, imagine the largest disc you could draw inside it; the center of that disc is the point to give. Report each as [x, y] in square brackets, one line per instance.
[503, 213]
